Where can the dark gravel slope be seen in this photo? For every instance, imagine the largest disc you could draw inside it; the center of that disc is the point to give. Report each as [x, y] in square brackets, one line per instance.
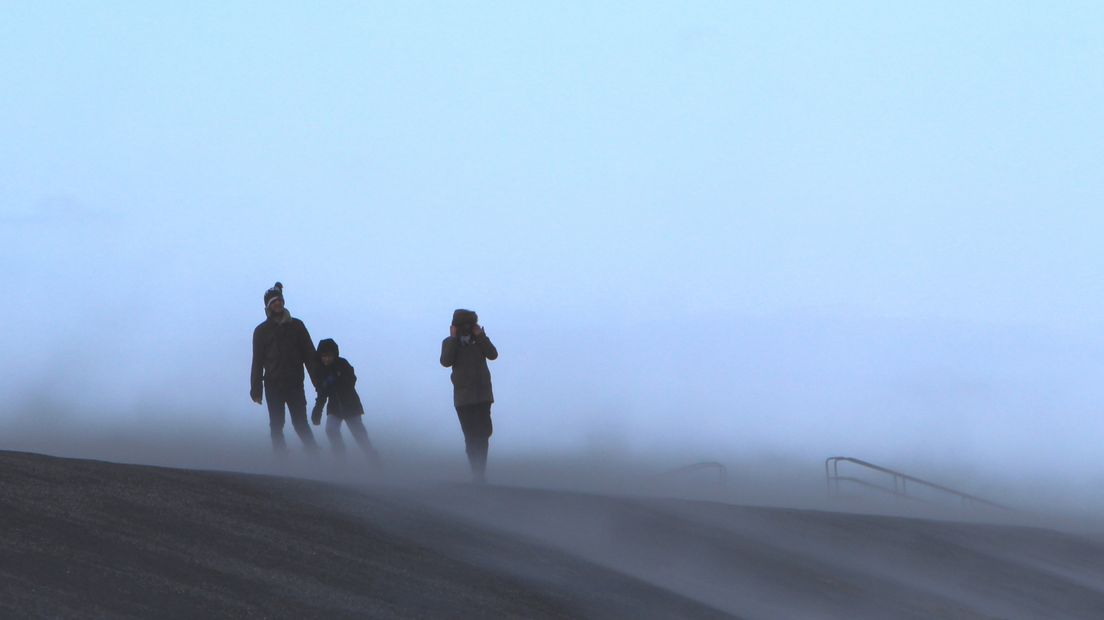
[784, 563]
[91, 539]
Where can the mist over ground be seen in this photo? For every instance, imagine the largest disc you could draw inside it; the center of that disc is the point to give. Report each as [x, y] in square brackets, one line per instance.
[761, 236]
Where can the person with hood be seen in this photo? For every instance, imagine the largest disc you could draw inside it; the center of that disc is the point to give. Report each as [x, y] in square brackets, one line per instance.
[337, 394]
[282, 347]
[466, 352]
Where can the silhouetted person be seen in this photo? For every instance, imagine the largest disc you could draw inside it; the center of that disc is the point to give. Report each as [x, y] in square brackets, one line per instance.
[337, 394]
[466, 351]
[281, 348]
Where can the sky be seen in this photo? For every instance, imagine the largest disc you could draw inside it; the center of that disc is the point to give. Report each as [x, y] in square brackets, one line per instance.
[736, 227]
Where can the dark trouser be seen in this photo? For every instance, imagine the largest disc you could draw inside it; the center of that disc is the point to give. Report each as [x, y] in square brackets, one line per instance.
[475, 421]
[296, 401]
[356, 428]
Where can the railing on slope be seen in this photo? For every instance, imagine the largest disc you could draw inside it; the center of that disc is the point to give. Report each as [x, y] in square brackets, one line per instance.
[901, 481]
[722, 471]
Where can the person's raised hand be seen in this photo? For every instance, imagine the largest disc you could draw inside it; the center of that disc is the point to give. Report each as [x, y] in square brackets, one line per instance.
[452, 331]
[477, 330]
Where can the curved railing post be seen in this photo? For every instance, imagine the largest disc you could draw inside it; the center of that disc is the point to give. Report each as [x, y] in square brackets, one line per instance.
[900, 482]
[722, 471]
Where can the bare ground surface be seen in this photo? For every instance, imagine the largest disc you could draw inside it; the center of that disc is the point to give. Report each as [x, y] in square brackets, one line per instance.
[90, 539]
[787, 563]
[93, 539]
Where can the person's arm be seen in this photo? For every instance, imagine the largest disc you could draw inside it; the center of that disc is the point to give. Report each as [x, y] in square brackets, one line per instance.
[488, 348]
[350, 375]
[306, 348]
[485, 345]
[257, 372]
[319, 404]
[448, 351]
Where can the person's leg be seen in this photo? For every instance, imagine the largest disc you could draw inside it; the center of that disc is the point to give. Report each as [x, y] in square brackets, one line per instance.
[360, 434]
[297, 408]
[475, 421]
[477, 458]
[275, 401]
[333, 431]
[482, 443]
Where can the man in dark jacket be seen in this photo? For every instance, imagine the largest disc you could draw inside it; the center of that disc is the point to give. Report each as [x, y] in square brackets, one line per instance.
[466, 351]
[338, 396]
[281, 348]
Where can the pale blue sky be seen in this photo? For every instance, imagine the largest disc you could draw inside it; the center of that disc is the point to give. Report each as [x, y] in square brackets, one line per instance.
[559, 166]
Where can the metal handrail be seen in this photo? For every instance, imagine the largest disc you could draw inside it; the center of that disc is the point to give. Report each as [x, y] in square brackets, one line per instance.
[900, 481]
[722, 471]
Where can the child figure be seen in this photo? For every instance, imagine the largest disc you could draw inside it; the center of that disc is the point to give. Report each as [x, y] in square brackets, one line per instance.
[337, 385]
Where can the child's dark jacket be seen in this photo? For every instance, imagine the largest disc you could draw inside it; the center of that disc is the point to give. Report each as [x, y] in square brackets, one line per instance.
[337, 390]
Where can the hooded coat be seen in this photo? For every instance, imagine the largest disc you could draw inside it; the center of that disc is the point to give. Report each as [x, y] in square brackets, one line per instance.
[471, 379]
[281, 348]
[337, 385]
